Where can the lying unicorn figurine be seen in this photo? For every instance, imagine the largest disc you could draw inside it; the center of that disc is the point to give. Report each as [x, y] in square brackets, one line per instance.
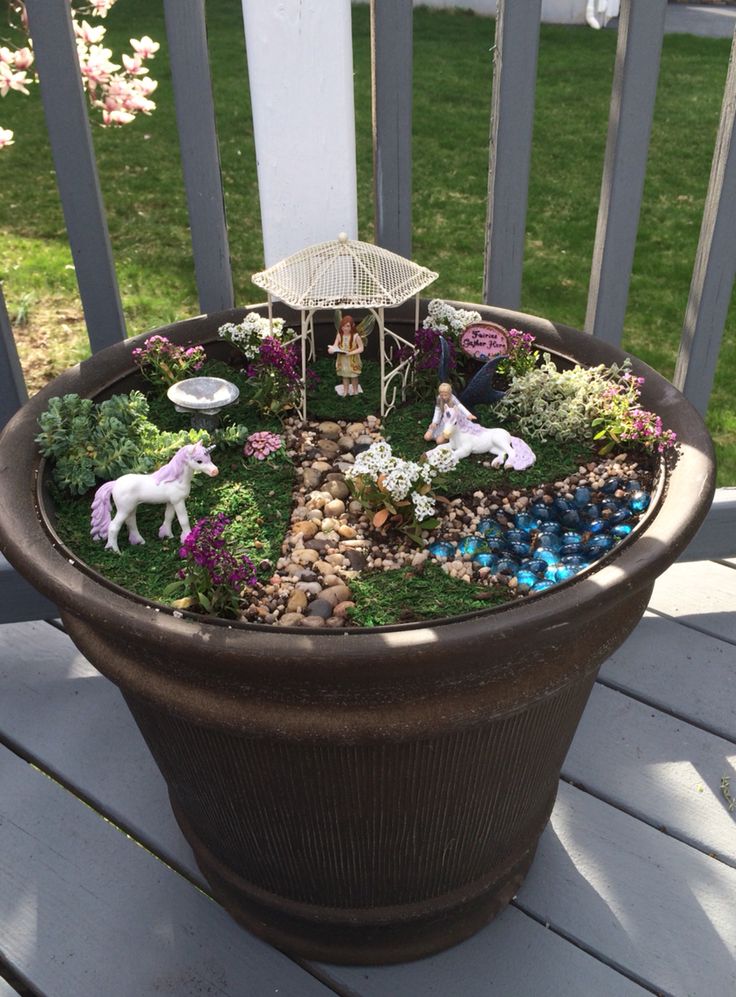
[466, 438]
[171, 485]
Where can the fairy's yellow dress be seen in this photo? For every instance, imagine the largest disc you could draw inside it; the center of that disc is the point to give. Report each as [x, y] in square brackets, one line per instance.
[347, 366]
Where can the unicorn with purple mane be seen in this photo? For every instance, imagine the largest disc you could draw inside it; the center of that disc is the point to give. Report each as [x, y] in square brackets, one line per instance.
[169, 486]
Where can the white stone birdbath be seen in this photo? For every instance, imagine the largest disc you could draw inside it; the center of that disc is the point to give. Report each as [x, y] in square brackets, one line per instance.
[203, 398]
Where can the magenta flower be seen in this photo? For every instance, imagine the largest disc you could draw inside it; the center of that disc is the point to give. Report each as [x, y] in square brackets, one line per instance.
[261, 445]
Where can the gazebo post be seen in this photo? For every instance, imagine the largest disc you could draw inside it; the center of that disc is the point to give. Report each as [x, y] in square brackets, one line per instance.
[270, 313]
[381, 330]
[416, 311]
[303, 340]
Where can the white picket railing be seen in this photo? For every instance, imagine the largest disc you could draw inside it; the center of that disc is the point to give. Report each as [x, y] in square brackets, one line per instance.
[640, 34]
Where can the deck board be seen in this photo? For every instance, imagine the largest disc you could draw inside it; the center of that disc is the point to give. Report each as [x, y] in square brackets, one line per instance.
[678, 670]
[85, 911]
[701, 594]
[659, 768]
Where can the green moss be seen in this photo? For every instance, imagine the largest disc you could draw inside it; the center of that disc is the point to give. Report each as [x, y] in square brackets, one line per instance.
[325, 403]
[406, 596]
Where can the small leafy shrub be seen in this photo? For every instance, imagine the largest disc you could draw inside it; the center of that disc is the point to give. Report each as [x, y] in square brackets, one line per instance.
[572, 404]
[88, 441]
[212, 577]
[262, 445]
[396, 490]
[163, 363]
[275, 376]
[249, 334]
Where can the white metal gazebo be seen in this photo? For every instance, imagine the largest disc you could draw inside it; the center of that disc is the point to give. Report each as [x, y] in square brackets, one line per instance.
[346, 273]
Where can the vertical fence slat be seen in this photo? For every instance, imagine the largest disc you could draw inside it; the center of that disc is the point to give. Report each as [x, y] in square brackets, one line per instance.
[12, 386]
[715, 262]
[640, 33]
[68, 127]
[512, 122]
[391, 68]
[195, 116]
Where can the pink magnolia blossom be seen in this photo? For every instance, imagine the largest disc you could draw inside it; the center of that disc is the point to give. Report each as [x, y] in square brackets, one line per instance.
[23, 58]
[7, 56]
[101, 7]
[12, 81]
[6, 137]
[144, 47]
[87, 34]
[133, 65]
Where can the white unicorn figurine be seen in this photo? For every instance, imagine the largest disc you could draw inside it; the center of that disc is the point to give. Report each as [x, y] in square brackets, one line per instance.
[466, 438]
[170, 485]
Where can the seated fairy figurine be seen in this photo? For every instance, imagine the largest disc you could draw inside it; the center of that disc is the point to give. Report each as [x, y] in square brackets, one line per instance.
[444, 402]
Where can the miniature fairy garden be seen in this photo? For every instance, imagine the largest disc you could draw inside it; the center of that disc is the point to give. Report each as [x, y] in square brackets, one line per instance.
[497, 477]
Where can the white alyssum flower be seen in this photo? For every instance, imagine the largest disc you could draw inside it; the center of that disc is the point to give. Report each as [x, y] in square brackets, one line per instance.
[443, 317]
[424, 506]
[250, 333]
[442, 459]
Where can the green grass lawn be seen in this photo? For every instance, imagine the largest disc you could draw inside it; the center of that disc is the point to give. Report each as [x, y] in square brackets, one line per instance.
[142, 187]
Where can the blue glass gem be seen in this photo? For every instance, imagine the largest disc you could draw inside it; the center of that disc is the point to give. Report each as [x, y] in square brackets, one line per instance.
[612, 504]
[620, 516]
[537, 564]
[549, 541]
[525, 521]
[571, 518]
[591, 511]
[496, 545]
[639, 500]
[519, 548]
[468, 545]
[570, 550]
[489, 527]
[571, 537]
[574, 561]
[598, 526]
[621, 530]
[611, 486]
[565, 571]
[441, 548]
[540, 511]
[542, 585]
[561, 505]
[554, 528]
[507, 566]
[551, 572]
[526, 578]
[582, 496]
[599, 545]
[633, 485]
[486, 561]
[514, 536]
[548, 556]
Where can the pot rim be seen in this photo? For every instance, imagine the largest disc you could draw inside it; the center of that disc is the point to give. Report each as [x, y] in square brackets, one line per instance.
[670, 523]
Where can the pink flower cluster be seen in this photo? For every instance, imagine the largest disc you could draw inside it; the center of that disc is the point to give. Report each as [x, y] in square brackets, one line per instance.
[164, 363]
[119, 92]
[261, 445]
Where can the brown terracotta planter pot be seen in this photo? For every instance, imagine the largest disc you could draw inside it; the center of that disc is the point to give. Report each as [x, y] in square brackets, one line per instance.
[373, 796]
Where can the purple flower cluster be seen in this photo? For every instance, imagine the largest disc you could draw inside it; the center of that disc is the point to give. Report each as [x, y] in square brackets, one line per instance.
[261, 445]
[204, 547]
[646, 428]
[428, 351]
[283, 360]
[164, 363]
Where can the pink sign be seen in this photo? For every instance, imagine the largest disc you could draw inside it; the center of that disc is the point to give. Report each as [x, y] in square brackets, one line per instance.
[484, 340]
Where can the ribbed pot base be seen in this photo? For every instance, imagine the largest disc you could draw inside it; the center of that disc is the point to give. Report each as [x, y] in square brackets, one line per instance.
[371, 936]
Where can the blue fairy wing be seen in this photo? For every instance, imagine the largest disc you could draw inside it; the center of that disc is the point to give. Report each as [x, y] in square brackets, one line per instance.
[478, 390]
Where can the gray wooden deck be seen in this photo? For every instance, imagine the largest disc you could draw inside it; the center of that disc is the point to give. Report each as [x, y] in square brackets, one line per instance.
[633, 889]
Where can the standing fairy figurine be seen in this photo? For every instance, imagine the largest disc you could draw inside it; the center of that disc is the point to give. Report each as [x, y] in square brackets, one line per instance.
[348, 346]
[444, 402]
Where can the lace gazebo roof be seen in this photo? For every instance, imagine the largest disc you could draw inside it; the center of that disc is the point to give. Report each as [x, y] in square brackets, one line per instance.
[344, 273]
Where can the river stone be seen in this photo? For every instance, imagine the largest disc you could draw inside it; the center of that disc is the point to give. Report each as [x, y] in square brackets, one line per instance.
[356, 559]
[346, 532]
[365, 439]
[346, 442]
[330, 579]
[307, 527]
[341, 609]
[311, 478]
[335, 594]
[334, 508]
[313, 621]
[291, 620]
[356, 428]
[337, 489]
[328, 448]
[319, 545]
[297, 601]
[329, 430]
[305, 556]
[320, 607]
[313, 588]
[324, 567]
